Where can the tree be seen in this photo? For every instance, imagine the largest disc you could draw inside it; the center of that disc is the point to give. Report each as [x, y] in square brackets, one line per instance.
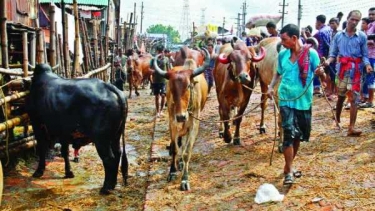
[173, 34]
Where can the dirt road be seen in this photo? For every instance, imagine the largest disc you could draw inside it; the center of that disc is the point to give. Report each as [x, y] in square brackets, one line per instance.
[338, 172]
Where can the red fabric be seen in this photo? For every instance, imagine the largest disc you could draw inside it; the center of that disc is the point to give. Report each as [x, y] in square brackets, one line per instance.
[304, 63]
[346, 64]
[96, 14]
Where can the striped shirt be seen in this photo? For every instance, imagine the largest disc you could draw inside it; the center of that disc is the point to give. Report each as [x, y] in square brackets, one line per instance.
[354, 46]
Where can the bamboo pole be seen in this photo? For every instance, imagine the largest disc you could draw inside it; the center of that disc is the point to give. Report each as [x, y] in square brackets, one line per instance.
[11, 123]
[19, 148]
[61, 51]
[13, 97]
[17, 143]
[66, 48]
[91, 63]
[58, 61]
[107, 32]
[84, 47]
[32, 48]
[25, 54]
[95, 36]
[52, 40]
[40, 51]
[15, 71]
[4, 35]
[99, 70]
[76, 40]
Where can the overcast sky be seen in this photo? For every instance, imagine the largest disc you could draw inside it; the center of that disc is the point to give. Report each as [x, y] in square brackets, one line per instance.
[169, 12]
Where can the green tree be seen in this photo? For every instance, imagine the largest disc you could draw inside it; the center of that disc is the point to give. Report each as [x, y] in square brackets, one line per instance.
[173, 34]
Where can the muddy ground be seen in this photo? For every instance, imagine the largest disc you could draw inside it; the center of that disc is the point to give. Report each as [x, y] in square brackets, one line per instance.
[338, 171]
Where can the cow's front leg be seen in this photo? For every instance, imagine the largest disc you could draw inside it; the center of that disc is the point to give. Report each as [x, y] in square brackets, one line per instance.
[65, 155]
[173, 152]
[224, 112]
[187, 149]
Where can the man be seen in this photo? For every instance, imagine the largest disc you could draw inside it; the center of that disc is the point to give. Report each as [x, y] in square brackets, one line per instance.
[296, 67]
[271, 28]
[324, 39]
[370, 77]
[208, 72]
[350, 46]
[159, 82]
[366, 78]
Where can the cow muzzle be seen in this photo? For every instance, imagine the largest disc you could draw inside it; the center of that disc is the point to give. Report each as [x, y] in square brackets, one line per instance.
[181, 118]
[244, 78]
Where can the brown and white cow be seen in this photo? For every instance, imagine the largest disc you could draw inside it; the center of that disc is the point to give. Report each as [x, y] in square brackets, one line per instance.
[187, 92]
[180, 56]
[234, 68]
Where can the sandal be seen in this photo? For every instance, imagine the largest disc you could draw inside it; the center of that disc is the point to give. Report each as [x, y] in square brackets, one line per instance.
[297, 174]
[288, 179]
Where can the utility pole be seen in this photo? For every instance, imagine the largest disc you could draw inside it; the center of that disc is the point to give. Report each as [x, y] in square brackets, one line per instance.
[239, 31]
[244, 7]
[299, 13]
[141, 16]
[283, 13]
[222, 31]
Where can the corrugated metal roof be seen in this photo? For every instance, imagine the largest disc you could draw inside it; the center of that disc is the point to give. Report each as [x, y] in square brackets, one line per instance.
[81, 2]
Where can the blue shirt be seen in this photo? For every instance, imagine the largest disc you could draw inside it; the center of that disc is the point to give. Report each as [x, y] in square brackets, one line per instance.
[355, 46]
[324, 39]
[291, 85]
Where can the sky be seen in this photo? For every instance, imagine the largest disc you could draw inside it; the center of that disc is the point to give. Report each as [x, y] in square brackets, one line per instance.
[170, 12]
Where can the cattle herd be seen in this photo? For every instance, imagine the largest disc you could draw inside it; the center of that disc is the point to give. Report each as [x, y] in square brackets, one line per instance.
[64, 110]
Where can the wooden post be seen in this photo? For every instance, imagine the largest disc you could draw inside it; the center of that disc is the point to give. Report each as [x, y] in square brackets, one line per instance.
[52, 40]
[25, 54]
[84, 47]
[66, 47]
[90, 59]
[4, 35]
[58, 53]
[32, 49]
[76, 64]
[40, 47]
[62, 61]
[107, 32]
[95, 38]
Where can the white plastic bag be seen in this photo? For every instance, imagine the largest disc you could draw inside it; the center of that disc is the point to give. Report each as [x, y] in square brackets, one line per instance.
[267, 192]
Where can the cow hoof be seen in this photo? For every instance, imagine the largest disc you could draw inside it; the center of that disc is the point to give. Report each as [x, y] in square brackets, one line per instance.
[185, 186]
[262, 130]
[137, 93]
[38, 173]
[227, 138]
[172, 177]
[221, 134]
[76, 160]
[104, 191]
[69, 174]
[237, 141]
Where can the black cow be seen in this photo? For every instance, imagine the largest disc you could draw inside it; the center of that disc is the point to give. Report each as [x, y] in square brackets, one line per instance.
[63, 109]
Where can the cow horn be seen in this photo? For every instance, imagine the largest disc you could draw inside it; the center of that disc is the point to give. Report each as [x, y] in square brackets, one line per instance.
[261, 56]
[205, 65]
[224, 59]
[157, 68]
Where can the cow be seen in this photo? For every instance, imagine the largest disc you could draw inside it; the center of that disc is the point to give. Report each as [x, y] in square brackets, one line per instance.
[180, 56]
[142, 65]
[134, 74]
[187, 92]
[233, 69]
[64, 109]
